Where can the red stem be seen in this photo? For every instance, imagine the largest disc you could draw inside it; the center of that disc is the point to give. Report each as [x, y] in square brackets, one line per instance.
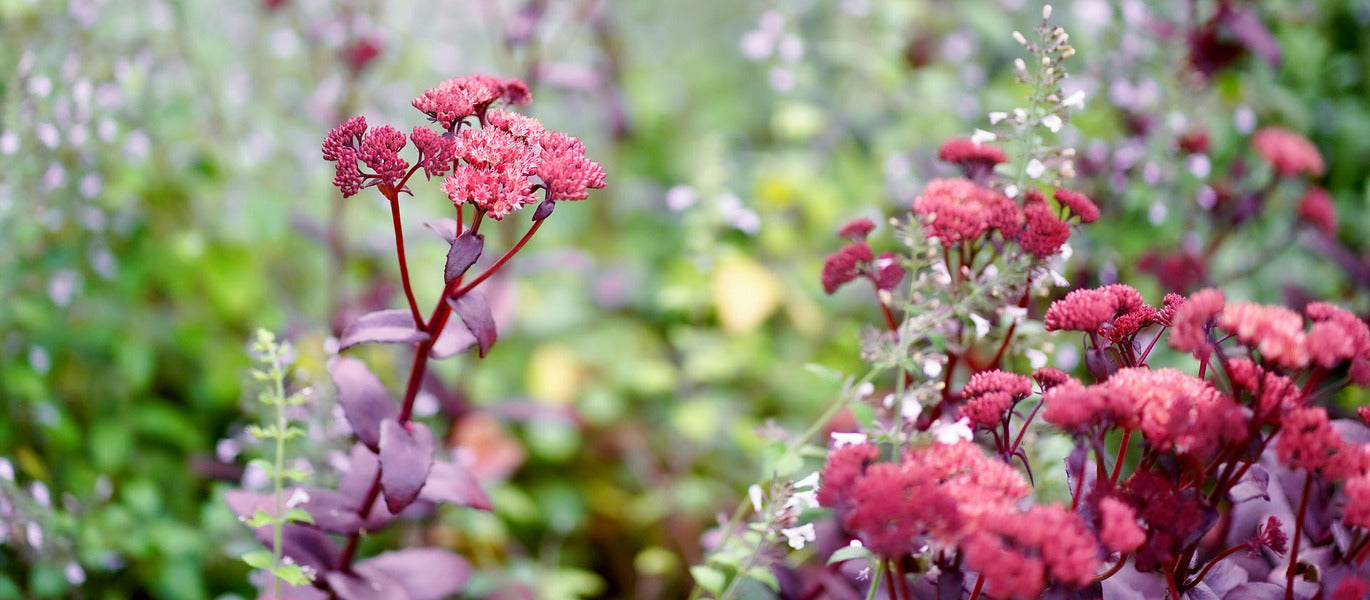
[1212, 563]
[394, 199]
[1122, 453]
[979, 583]
[1298, 533]
[435, 323]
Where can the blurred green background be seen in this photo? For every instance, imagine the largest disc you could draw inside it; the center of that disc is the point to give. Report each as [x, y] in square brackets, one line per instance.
[162, 195]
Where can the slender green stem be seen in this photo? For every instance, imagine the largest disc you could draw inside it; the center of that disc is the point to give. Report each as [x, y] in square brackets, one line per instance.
[276, 474]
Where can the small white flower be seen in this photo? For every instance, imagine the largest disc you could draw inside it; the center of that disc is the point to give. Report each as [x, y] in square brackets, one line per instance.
[840, 439]
[981, 326]
[297, 498]
[932, 368]
[40, 494]
[1020, 66]
[951, 433]
[34, 534]
[6, 469]
[1019, 114]
[995, 117]
[754, 492]
[798, 536]
[981, 136]
[910, 409]
[1052, 122]
[1014, 313]
[864, 575]
[864, 390]
[1046, 12]
[1018, 37]
[74, 573]
[1036, 358]
[1035, 168]
[802, 501]
[810, 482]
[1011, 191]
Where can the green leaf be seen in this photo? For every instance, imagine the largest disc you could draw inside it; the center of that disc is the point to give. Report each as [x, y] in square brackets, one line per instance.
[259, 432]
[295, 474]
[849, 553]
[292, 432]
[826, 374]
[261, 518]
[299, 515]
[708, 578]
[765, 576]
[864, 414]
[292, 574]
[258, 559]
[264, 465]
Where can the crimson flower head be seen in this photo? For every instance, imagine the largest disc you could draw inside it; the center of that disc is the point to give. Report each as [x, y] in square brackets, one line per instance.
[1079, 205]
[1270, 535]
[1275, 331]
[845, 265]
[1090, 310]
[1044, 234]
[456, 99]
[436, 152]
[976, 160]
[1307, 440]
[856, 229]
[1118, 528]
[1180, 412]
[523, 127]
[1337, 336]
[1316, 209]
[340, 147]
[1290, 153]
[1357, 511]
[380, 151]
[1015, 551]
[494, 173]
[564, 169]
[1192, 320]
[845, 465]
[896, 507]
[957, 210]
[989, 395]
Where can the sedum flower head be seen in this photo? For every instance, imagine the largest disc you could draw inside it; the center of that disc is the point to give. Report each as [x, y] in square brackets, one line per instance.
[1288, 152]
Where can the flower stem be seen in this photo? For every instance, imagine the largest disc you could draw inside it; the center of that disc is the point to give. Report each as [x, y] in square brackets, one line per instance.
[394, 199]
[1298, 534]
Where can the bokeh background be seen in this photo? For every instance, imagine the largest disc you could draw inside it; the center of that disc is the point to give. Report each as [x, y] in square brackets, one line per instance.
[162, 196]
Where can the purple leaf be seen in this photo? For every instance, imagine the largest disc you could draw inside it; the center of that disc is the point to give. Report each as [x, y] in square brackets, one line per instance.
[406, 455]
[1259, 590]
[426, 573]
[382, 327]
[1252, 33]
[1255, 484]
[333, 511]
[453, 339]
[369, 584]
[475, 314]
[445, 228]
[361, 471]
[304, 544]
[245, 504]
[364, 400]
[463, 253]
[452, 483]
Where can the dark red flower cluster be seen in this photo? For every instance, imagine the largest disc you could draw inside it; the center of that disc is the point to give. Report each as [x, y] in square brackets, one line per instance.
[958, 210]
[1116, 312]
[492, 167]
[1290, 153]
[456, 99]
[989, 395]
[975, 159]
[1316, 209]
[1171, 516]
[855, 260]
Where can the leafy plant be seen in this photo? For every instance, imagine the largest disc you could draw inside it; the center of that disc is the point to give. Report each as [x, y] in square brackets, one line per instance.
[495, 162]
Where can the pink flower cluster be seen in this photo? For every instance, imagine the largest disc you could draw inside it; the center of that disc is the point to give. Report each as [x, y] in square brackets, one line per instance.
[856, 260]
[959, 210]
[1288, 152]
[955, 496]
[498, 167]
